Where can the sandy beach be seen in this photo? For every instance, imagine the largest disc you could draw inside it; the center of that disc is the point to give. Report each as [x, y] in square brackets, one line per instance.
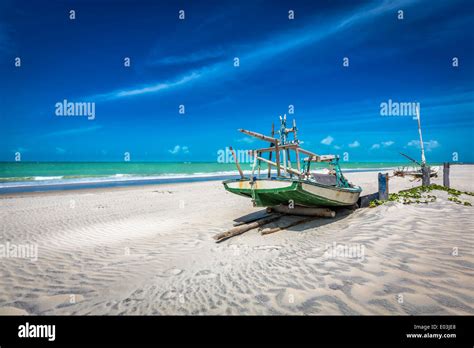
[149, 250]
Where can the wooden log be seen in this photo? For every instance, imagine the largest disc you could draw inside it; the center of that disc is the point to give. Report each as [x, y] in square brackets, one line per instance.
[446, 174]
[244, 228]
[425, 175]
[259, 136]
[305, 211]
[236, 162]
[294, 223]
[383, 186]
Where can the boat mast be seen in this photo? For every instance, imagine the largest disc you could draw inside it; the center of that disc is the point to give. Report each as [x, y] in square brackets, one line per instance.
[423, 159]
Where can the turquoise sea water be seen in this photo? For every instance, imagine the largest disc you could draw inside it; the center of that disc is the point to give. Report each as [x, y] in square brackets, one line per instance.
[26, 171]
[28, 176]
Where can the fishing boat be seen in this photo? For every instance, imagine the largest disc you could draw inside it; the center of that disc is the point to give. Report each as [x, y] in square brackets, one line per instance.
[291, 183]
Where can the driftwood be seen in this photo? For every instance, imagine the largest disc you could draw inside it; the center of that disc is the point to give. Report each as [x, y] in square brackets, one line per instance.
[305, 211]
[244, 228]
[294, 223]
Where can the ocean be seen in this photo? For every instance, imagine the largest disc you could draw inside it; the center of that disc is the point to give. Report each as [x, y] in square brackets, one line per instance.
[45, 176]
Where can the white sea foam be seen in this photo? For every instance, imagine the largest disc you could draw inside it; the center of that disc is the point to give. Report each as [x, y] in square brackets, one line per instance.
[39, 181]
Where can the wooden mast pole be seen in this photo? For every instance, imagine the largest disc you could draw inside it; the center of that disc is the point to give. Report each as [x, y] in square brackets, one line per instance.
[277, 158]
[423, 159]
[271, 152]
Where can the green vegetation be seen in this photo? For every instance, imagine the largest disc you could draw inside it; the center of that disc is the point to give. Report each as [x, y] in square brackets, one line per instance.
[419, 195]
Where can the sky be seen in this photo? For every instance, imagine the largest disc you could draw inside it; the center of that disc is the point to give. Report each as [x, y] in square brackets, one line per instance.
[405, 57]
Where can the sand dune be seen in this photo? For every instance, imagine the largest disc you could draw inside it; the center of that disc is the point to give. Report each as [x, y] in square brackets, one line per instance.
[149, 250]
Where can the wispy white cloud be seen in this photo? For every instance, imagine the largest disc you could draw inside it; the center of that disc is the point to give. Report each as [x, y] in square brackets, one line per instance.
[428, 145]
[60, 151]
[145, 89]
[328, 140]
[382, 144]
[73, 131]
[288, 41]
[247, 140]
[193, 57]
[375, 146]
[387, 143]
[178, 149]
[354, 144]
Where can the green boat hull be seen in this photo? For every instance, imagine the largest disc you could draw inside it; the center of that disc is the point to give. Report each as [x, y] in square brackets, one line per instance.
[268, 192]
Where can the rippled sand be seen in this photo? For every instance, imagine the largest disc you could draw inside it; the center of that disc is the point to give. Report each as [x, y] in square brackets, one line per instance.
[149, 250]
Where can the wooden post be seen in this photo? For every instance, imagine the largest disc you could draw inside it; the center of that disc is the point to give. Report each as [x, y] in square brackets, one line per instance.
[259, 163]
[236, 162]
[383, 186]
[271, 152]
[446, 174]
[425, 175]
[298, 160]
[277, 155]
[254, 165]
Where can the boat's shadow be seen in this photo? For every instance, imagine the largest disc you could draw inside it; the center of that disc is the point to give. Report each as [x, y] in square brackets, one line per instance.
[295, 223]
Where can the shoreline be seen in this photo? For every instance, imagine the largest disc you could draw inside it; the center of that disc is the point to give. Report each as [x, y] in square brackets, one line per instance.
[12, 187]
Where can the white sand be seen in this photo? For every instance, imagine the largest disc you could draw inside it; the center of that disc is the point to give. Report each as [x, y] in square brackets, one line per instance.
[149, 250]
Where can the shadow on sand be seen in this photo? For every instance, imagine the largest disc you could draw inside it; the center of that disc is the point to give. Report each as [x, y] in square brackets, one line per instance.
[287, 222]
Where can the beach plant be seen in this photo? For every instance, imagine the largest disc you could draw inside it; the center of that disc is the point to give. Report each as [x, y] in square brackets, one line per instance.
[419, 195]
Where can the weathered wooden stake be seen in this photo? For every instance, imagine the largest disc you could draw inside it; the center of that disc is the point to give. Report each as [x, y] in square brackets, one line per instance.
[236, 162]
[425, 175]
[446, 174]
[383, 186]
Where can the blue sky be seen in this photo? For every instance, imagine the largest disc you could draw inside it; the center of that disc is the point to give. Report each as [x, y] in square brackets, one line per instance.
[190, 62]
